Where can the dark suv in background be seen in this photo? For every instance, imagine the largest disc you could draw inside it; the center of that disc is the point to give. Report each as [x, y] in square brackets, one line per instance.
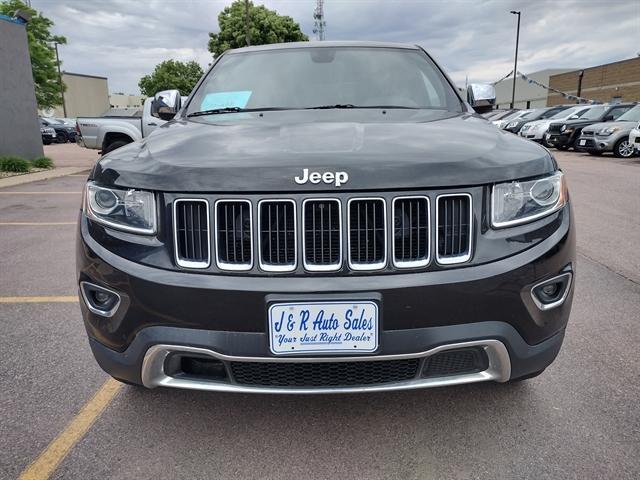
[538, 114]
[564, 135]
[308, 224]
[64, 133]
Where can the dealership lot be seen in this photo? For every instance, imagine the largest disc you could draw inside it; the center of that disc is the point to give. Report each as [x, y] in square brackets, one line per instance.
[580, 419]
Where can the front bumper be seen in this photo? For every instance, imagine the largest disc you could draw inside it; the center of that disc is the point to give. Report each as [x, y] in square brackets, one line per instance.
[596, 144]
[560, 140]
[224, 316]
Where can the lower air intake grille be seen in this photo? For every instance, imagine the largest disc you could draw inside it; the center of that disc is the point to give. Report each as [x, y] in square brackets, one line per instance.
[233, 235]
[322, 235]
[367, 234]
[454, 228]
[191, 221]
[277, 235]
[455, 362]
[329, 374]
[411, 231]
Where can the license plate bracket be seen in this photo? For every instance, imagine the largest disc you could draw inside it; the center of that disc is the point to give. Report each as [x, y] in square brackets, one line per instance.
[323, 327]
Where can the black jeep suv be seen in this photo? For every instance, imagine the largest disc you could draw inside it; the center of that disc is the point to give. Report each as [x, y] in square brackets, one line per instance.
[564, 135]
[309, 223]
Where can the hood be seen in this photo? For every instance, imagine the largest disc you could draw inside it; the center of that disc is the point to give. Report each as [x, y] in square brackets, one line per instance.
[397, 149]
[624, 126]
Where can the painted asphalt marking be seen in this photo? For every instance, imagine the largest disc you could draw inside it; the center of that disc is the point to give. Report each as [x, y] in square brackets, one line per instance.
[43, 466]
[39, 193]
[35, 224]
[41, 299]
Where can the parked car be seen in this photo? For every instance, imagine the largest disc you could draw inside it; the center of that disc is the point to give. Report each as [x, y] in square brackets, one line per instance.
[538, 114]
[634, 138]
[502, 114]
[611, 136]
[492, 114]
[109, 133]
[64, 133]
[510, 118]
[69, 122]
[537, 129]
[280, 237]
[48, 134]
[564, 135]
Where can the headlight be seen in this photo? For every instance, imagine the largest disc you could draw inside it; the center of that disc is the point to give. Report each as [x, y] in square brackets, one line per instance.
[129, 210]
[525, 127]
[517, 202]
[512, 124]
[608, 131]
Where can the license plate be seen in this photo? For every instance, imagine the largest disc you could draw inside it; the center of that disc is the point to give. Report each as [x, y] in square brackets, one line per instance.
[323, 327]
[582, 142]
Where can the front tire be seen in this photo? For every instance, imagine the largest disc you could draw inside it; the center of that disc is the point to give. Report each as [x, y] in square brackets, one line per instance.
[113, 145]
[62, 137]
[623, 148]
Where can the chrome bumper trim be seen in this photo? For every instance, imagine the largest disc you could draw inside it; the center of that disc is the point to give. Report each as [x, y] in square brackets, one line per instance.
[153, 374]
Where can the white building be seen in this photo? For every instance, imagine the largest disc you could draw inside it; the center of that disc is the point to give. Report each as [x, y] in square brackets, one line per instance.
[528, 95]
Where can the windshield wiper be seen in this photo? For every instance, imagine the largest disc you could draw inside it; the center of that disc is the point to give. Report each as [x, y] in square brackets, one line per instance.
[350, 105]
[330, 107]
[219, 111]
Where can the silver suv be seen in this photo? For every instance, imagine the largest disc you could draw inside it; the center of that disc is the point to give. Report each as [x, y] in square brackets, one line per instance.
[610, 136]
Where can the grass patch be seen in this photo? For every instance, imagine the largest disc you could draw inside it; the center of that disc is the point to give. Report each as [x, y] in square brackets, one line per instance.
[14, 164]
[42, 162]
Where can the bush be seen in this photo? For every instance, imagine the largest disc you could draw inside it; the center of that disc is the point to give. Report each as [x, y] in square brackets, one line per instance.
[42, 162]
[14, 164]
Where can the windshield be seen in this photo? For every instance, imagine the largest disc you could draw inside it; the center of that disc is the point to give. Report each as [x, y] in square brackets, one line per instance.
[594, 113]
[562, 114]
[341, 77]
[632, 115]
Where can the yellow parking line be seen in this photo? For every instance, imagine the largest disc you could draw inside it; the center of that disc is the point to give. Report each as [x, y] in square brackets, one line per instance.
[59, 448]
[41, 299]
[35, 224]
[39, 193]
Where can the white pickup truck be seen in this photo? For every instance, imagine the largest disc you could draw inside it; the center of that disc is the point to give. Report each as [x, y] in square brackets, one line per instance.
[108, 133]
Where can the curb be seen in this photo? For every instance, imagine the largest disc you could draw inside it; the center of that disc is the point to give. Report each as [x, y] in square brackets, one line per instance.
[39, 176]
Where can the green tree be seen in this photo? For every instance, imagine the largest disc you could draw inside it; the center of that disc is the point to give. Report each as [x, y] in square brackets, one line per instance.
[265, 26]
[42, 53]
[170, 75]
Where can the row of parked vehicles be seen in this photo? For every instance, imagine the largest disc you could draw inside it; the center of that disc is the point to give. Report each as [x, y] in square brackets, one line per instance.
[594, 129]
[58, 130]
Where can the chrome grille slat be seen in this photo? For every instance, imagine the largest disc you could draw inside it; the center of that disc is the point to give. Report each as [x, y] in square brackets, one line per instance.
[319, 241]
[192, 236]
[234, 234]
[411, 233]
[454, 224]
[367, 233]
[322, 234]
[277, 228]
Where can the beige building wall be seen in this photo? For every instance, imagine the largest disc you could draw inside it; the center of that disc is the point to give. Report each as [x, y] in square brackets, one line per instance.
[117, 100]
[528, 95]
[613, 82]
[85, 96]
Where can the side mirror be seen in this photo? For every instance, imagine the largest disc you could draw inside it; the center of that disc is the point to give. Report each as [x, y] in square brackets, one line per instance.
[482, 97]
[574, 117]
[608, 118]
[166, 104]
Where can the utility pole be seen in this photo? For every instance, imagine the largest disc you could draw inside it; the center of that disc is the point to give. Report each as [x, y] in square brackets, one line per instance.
[579, 92]
[319, 24]
[247, 26]
[515, 62]
[64, 106]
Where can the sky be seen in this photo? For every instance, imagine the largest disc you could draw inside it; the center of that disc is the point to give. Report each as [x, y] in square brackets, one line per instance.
[475, 39]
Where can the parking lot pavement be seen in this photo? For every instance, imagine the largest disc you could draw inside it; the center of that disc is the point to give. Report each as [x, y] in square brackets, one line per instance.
[580, 419]
[71, 155]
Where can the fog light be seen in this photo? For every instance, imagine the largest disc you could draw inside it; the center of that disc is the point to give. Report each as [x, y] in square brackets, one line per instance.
[99, 300]
[553, 292]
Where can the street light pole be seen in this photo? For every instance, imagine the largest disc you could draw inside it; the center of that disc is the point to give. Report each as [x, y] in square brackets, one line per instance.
[64, 106]
[515, 62]
[247, 28]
